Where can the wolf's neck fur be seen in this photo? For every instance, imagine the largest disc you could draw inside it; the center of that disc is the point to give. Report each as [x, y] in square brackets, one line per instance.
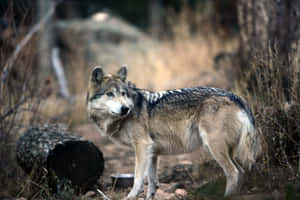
[152, 97]
[114, 129]
[107, 125]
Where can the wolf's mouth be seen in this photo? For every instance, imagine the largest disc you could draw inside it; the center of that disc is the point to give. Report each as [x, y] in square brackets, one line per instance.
[122, 114]
[119, 114]
[115, 114]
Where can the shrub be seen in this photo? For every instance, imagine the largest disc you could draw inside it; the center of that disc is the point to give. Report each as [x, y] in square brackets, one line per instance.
[273, 89]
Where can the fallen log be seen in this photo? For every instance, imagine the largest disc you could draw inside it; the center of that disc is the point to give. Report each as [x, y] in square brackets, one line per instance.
[53, 148]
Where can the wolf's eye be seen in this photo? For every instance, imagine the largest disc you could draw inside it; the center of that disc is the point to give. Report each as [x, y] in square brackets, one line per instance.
[110, 94]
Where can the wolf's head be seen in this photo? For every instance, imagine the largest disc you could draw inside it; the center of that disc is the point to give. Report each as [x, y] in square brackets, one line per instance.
[108, 95]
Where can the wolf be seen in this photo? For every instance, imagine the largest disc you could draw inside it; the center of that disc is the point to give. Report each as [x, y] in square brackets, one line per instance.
[173, 122]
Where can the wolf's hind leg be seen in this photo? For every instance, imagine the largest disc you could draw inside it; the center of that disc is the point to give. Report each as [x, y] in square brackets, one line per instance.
[241, 173]
[152, 178]
[221, 154]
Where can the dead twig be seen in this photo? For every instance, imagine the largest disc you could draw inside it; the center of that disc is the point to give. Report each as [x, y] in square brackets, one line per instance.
[13, 109]
[103, 195]
[25, 40]
[60, 74]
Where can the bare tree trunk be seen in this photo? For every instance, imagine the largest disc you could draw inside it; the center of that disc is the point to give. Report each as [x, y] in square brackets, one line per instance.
[156, 17]
[60, 74]
[270, 23]
[46, 41]
[37, 27]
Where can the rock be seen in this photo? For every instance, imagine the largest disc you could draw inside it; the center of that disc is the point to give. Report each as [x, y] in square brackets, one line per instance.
[174, 186]
[181, 192]
[160, 194]
[276, 195]
[179, 173]
[102, 39]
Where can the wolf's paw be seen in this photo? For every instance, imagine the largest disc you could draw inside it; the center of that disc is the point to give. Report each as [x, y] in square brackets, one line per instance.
[131, 198]
[150, 196]
[133, 194]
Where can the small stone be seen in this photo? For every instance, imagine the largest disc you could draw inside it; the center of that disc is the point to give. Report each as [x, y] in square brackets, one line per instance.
[186, 162]
[172, 187]
[276, 195]
[181, 192]
[21, 198]
[160, 194]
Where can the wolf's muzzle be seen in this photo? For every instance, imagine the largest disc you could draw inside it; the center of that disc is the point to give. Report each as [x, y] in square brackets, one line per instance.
[124, 110]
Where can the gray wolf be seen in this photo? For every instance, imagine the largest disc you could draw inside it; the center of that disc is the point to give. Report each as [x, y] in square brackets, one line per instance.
[173, 122]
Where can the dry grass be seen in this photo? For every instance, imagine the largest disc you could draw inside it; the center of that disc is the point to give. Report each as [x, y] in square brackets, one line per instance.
[17, 99]
[183, 62]
[272, 87]
[184, 59]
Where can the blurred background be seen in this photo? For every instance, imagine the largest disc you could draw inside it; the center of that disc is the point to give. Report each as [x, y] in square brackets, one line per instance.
[48, 48]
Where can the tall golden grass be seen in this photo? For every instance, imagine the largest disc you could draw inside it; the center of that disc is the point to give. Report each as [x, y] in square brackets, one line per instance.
[272, 87]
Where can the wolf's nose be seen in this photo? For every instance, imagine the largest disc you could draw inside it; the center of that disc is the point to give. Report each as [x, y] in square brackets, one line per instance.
[124, 110]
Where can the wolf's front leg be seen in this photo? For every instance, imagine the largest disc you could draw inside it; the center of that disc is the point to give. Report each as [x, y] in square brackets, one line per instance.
[140, 167]
[152, 178]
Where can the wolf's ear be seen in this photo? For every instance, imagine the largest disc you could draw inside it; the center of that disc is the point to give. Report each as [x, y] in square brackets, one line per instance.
[97, 74]
[122, 73]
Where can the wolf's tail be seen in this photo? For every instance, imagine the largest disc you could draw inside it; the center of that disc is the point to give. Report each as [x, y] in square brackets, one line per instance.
[249, 147]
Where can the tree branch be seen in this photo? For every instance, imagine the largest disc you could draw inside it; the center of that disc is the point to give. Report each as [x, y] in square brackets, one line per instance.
[25, 40]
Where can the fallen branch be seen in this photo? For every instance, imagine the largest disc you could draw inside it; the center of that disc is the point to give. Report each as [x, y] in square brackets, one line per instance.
[63, 155]
[60, 74]
[13, 109]
[25, 40]
[103, 195]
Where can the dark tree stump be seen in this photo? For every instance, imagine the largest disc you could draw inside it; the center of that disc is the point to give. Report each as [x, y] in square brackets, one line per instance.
[69, 157]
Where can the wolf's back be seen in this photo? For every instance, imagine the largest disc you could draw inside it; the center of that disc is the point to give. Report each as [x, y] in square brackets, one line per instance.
[249, 146]
[189, 97]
